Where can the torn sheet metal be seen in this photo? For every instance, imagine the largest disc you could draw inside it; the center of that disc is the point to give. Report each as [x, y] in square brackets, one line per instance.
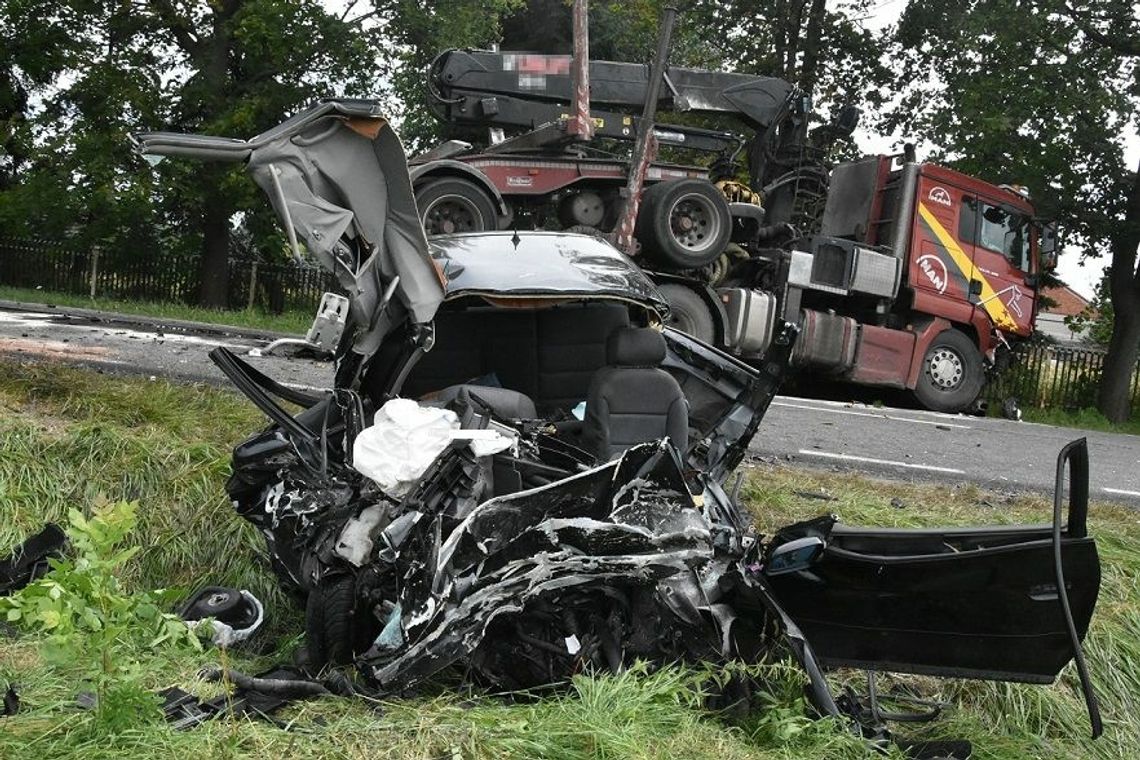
[338, 179]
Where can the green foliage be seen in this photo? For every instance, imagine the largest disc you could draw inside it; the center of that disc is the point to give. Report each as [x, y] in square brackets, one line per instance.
[1013, 91]
[1038, 92]
[296, 322]
[85, 75]
[1096, 321]
[414, 33]
[1084, 418]
[88, 620]
[81, 605]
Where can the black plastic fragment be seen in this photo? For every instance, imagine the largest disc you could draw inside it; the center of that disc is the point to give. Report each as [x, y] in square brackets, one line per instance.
[11, 701]
[29, 561]
[942, 750]
[254, 696]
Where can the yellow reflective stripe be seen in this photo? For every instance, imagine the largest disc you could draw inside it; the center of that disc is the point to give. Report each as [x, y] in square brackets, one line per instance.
[988, 298]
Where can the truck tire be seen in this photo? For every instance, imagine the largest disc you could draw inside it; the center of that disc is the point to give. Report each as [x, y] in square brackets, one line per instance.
[952, 375]
[688, 312]
[684, 223]
[449, 204]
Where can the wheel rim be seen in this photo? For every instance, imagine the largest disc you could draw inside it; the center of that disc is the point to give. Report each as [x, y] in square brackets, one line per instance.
[694, 222]
[451, 214]
[945, 368]
[680, 321]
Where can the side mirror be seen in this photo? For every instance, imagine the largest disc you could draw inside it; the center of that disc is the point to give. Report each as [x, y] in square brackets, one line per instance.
[1049, 246]
[794, 555]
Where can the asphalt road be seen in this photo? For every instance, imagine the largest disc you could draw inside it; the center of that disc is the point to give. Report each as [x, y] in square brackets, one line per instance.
[129, 345]
[901, 444]
[913, 444]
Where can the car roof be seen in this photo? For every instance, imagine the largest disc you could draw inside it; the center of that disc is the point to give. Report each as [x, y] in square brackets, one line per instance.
[534, 264]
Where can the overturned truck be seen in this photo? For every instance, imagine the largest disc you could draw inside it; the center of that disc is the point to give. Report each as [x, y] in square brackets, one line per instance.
[519, 472]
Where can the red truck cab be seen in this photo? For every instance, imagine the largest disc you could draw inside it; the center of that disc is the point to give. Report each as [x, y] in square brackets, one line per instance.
[974, 254]
[968, 261]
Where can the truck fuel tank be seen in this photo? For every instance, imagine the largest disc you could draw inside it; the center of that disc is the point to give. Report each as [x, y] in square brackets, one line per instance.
[827, 342]
[751, 320]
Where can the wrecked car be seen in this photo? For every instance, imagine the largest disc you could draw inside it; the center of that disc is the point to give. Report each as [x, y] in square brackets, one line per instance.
[520, 473]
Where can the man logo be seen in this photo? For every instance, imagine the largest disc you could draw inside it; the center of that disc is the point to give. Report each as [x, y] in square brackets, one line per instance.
[939, 195]
[935, 271]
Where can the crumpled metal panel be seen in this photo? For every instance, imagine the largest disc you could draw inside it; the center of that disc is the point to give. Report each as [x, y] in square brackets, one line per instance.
[615, 563]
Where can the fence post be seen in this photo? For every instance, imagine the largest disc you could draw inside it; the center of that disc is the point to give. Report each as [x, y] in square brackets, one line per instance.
[252, 284]
[94, 269]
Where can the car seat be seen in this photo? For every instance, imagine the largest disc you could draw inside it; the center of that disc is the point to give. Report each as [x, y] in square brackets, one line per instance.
[632, 400]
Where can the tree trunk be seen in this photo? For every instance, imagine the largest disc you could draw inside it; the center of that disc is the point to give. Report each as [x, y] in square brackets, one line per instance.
[212, 56]
[809, 72]
[1113, 398]
[215, 271]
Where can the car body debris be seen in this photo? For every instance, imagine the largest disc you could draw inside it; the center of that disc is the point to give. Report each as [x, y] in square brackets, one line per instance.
[29, 560]
[518, 543]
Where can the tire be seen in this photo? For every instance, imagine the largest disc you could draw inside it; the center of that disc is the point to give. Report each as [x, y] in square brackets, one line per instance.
[215, 602]
[684, 223]
[449, 205]
[331, 633]
[688, 312]
[952, 375]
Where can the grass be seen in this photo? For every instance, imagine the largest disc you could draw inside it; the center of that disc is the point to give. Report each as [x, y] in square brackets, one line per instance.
[1088, 419]
[69, 436]
[293, 322]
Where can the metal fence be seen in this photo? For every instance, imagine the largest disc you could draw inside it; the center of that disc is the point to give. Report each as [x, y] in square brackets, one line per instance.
[126, 275]
[1054, 376]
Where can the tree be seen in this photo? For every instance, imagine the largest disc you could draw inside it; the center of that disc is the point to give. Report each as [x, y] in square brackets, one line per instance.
[230, 67]
[415, 32]
[820, 46]
[1038, 92]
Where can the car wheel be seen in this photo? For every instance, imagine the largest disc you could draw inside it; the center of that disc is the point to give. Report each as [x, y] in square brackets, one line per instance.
[450, 205]
[952, 374]
[330, 622]
[688, 312]
[684, 223]
[214, 602]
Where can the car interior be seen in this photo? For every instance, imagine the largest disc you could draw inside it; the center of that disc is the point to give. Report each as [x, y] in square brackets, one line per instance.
[589, 371]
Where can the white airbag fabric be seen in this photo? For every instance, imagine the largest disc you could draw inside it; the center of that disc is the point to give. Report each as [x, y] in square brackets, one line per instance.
[401, 443]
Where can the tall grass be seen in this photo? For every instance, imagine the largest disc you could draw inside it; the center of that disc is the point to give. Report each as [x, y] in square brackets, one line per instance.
[69, 436]
[293, 322]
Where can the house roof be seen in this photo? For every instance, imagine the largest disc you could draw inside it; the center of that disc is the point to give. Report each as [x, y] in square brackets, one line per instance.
[1069, 302]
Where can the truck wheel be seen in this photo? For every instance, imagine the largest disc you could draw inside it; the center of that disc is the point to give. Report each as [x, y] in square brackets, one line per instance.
[684, 223]
[450, 204]
[688, 313]
[952, 374]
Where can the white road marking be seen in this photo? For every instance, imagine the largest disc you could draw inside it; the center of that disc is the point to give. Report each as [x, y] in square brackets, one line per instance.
[877, 415]
[1121, 491]
[112, 332]
[889, 462]
[851, 404]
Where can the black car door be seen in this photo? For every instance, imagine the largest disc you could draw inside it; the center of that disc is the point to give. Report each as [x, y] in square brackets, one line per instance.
[981, 602]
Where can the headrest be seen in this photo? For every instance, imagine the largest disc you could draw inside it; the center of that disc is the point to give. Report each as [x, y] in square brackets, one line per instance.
[635, 347]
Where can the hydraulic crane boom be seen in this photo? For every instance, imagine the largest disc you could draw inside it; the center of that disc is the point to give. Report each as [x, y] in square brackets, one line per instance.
[526, 91]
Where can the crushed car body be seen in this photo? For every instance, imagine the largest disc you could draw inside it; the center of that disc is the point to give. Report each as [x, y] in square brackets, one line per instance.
[549, 468]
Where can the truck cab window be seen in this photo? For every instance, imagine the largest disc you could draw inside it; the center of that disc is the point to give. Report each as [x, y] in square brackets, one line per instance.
[994, 228]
